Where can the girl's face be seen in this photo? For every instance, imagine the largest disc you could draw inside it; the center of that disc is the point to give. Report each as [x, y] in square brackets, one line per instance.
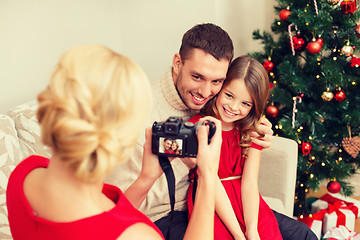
[173, 146]
[233, 103]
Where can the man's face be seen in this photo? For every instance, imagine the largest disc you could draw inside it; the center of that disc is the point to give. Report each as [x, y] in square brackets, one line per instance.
[199, 78]
[167, 144]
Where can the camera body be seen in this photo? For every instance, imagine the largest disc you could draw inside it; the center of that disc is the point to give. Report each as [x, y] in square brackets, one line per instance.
[176, 138]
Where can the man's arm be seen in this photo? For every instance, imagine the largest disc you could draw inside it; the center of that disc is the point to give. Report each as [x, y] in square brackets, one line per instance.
[265, 127]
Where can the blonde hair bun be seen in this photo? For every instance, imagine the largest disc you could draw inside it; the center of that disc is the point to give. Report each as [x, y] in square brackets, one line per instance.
[93, 109]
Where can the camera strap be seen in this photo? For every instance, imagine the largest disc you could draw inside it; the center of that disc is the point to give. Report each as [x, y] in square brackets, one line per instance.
[170, 177]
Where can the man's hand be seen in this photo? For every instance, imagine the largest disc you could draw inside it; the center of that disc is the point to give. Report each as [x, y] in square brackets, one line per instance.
[265, 127]
[189, 162]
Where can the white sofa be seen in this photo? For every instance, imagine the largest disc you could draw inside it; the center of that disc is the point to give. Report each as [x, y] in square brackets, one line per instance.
[20, 137]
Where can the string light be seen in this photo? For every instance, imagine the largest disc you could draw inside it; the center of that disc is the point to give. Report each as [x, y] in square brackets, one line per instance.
[279, 23]
[323, 164]
[311, 175]
[310, 137]
[334, 58]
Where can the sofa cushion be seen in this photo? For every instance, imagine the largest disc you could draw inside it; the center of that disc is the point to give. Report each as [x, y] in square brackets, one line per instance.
[10, 156]
[28, 129]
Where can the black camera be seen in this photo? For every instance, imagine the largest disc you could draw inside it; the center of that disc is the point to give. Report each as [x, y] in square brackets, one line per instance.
[177, 138]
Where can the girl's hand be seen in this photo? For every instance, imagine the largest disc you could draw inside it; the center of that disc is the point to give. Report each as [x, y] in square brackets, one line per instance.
[252, 235]
[208, 156]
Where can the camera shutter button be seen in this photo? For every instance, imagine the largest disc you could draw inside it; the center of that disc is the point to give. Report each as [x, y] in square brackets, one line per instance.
[188, 124]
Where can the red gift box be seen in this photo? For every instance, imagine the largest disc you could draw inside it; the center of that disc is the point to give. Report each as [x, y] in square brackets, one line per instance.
[323, 202]
[314, 222]
[341, 233]
[338, 214]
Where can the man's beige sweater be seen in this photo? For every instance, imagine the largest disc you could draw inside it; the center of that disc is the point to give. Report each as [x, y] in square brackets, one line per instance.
[167, 103]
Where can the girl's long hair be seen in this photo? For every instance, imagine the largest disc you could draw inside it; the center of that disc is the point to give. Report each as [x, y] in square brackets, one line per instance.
[255, 77]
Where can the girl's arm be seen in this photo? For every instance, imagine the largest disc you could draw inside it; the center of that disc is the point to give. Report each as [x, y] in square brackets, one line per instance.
[250, 193]
[226, 213]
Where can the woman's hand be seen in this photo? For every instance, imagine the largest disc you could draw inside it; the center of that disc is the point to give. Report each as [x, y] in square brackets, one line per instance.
[208, 156]
[151, 168]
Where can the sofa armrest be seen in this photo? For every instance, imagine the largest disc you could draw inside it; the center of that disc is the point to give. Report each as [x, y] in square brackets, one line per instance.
[10, 156]
[277, 174]
[28, 129]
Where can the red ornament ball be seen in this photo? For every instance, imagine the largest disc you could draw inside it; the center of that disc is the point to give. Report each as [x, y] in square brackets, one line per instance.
[268, 65]
[299, 43]
[333, 186]
[357, 30]
[313, 47]
[272, 111]
[339, 95]
[284, 14]
[320, 40]
[306, 148]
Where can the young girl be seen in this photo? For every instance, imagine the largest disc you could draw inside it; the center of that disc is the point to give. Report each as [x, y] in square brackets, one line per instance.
[175, 148]
[242, 213]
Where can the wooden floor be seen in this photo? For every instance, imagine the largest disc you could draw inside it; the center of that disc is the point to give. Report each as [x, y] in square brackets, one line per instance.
[322, 191]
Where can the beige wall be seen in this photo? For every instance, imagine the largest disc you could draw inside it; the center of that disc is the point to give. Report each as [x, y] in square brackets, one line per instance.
[34, 33]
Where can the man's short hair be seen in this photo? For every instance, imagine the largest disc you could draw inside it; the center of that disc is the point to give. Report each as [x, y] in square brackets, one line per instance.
[210, 38]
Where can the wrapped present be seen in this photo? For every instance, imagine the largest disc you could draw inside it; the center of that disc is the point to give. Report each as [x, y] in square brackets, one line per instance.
[338, 214]
[319, 205]
[314, 222]
[341, 233]
[322, 203]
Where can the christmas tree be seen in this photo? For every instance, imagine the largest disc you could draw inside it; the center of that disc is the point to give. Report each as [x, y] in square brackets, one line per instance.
[315, 76]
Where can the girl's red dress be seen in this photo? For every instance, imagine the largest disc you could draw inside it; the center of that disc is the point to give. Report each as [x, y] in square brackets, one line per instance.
[232, 164]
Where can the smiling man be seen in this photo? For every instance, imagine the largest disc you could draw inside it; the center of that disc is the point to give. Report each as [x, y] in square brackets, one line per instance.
[196, 75]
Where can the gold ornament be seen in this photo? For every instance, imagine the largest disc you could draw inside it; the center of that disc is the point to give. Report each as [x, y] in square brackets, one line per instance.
[347, 50]
[333, 2]
[327, 95]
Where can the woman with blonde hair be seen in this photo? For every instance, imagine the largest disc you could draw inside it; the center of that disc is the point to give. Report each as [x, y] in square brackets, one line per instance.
[91, 114]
